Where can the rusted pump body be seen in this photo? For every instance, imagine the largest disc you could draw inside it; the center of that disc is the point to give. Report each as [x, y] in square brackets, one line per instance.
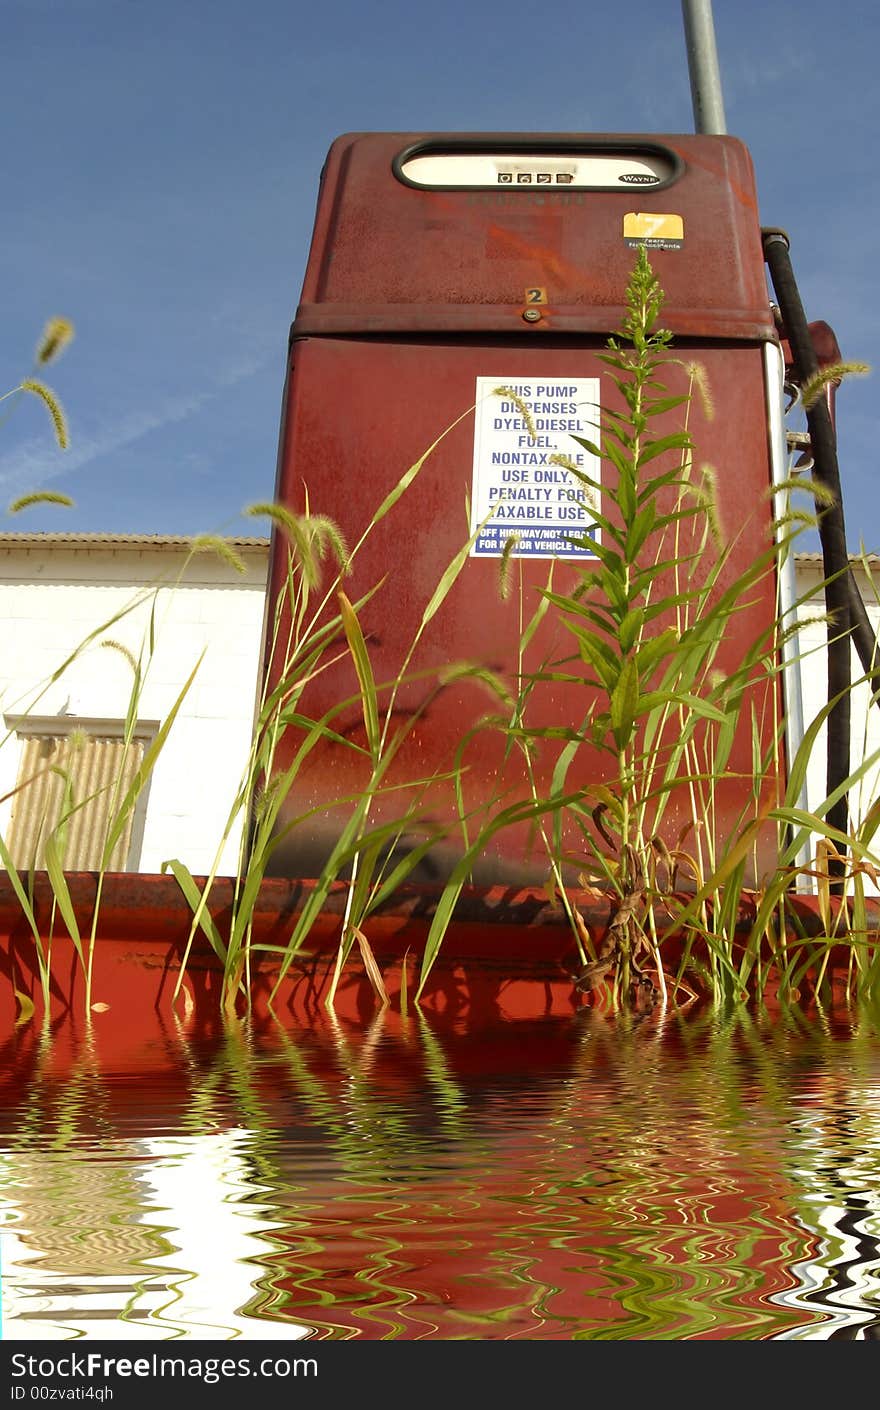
[442, 267]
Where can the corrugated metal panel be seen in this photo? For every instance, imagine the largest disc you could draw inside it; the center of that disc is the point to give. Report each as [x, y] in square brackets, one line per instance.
[74, 784]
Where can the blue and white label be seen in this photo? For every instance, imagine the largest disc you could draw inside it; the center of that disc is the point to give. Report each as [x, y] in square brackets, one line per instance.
[527, 467]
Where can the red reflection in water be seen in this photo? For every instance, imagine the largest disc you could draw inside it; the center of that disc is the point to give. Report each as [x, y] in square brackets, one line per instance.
[586, 1177]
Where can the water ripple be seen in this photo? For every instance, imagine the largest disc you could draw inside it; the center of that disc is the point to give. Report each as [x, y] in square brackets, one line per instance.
[693, 1177]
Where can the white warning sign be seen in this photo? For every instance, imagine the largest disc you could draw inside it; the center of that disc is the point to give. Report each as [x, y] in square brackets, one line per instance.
[525, 467]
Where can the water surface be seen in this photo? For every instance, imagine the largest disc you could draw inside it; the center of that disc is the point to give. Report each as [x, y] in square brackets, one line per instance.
[670, 1176]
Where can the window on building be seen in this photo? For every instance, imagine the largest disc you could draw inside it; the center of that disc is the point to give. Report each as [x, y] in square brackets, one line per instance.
[72, 778]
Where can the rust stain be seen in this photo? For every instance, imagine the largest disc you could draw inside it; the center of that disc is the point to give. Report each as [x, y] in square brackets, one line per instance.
[502, 242]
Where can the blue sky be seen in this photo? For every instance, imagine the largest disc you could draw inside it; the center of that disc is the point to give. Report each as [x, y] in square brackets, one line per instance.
[161, 163]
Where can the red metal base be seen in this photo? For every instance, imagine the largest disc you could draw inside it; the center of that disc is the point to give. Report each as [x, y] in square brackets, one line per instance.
[509, 954]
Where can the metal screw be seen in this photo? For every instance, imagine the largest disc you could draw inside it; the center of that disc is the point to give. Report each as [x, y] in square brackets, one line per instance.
[531, 315]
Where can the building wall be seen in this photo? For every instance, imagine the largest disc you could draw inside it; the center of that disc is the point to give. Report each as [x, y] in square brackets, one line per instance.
[865, 717]
[63, 601]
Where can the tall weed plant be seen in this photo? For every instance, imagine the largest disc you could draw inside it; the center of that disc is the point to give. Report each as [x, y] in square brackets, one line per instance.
[647, 622]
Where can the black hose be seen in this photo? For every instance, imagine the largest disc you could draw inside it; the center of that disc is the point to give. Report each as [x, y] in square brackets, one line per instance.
[845, 621]
[828, 472]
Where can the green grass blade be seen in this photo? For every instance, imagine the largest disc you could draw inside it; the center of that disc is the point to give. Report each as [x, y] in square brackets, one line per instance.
[197, 902]
[61, 892]
[145, 769]
[366, 680]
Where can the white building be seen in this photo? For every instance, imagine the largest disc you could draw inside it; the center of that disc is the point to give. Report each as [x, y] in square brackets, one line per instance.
[90, 599]
[865, 716]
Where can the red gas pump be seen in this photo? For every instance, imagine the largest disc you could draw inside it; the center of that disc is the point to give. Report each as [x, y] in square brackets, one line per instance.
[442, 269]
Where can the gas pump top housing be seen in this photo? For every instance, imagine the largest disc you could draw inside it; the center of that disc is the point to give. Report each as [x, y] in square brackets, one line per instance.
[398, 246]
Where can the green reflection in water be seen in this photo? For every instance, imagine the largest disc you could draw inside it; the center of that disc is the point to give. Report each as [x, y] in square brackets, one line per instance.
[697, 1174]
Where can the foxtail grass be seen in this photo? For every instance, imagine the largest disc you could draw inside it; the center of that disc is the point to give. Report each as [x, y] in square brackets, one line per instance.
[315, 627]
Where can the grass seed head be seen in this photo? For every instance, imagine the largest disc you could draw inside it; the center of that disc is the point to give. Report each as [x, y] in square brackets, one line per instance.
[123, 651]
[53, 406]
[521, 407]
[829, 376]
[213, 543]
[57, 333]
[40, 497]
[505, 566]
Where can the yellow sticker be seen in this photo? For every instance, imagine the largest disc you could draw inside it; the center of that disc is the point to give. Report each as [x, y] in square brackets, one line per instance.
[656, 231]
[536, 295]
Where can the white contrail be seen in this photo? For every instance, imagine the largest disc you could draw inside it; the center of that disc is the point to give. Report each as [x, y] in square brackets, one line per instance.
[37, 460]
